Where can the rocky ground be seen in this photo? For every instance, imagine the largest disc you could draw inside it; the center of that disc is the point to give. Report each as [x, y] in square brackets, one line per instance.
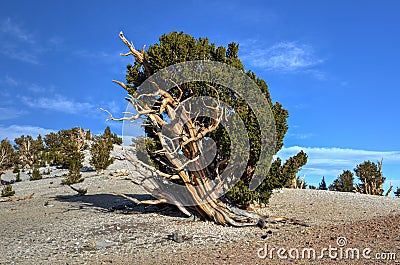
[56, 226]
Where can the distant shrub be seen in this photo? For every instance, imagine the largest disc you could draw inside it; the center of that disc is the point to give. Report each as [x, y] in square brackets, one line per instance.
[344, 182]
[36, 175]
[18, 177]
[113, 137]
[16, 168]
[397, 192]
[7, 191]
[322, 184]
[100, 152]
[74, 174]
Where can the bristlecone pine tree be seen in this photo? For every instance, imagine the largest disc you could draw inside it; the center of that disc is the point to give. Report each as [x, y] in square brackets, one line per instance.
[113, 137]
[7, 157]
[73, 144]
[29, 150]
[36, 175]
[322, 185]
[7, 191]
[371, 177]
[53, 148]
[100, 151]
[397, 193]
[344, 182]
[178, 47]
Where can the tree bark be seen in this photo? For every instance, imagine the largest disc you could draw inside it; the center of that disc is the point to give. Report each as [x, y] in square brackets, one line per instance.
[196, 182]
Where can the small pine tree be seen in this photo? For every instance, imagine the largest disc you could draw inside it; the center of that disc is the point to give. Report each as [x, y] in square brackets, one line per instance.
[100, 151]
[397, 192]
[16, 168]
[74, 174]
[88, 135]
[18, 177]
[344, 182]
[112, 136]
[322, 185]
[371, 177]
[36, 175]
[7, 191]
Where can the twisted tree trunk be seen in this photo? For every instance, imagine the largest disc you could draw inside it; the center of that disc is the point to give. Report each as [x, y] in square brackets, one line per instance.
[197, 182]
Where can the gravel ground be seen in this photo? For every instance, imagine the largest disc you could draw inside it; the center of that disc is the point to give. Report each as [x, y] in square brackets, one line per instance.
[58, 227]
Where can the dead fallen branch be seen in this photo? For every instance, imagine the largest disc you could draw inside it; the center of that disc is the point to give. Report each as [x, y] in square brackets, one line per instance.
[27, 197]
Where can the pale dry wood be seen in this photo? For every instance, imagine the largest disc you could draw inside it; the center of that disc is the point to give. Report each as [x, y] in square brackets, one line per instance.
[27, 197]
[197, 181]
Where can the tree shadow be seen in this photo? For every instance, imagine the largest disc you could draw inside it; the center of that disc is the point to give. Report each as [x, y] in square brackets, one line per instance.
[113, 203]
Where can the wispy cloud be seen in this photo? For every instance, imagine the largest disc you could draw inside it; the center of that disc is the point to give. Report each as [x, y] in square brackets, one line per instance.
[300, 135]
[39, 88]
[332, 161]
[18, 43]
[13, 131]
[59, 103]
[19, 53]
[10, 113]
[282, 56]
[10, 27]
[9, 81]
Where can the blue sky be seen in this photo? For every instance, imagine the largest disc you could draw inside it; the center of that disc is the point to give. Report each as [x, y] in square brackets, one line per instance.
[332, 64]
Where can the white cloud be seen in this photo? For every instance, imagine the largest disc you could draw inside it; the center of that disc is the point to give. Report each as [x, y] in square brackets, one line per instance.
[9, 81]
[332, 161]
[282, 56]
[20, 55]
[37, 88]
[12, 28]
[56, 41]
[300, 135]
[10, 113]
[13, 131]
[59, 103]
[18, 43]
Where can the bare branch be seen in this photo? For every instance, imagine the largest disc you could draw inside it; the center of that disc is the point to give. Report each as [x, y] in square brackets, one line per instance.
[121, 84]
[138, 202]
[180, 90]
[139, 56]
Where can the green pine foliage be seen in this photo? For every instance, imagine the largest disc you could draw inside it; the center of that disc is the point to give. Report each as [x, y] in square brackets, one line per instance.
[371, 177]
[177, 47]
[7, 191]
[16, 168]
[8, 156]
[29, 150]
[397, 192]
[18, 177]
[36, 175]
[74, 169]
[88, 135]
[100, 152]
[61, 146]
[322, 184]
[113, 137]
[344, 182]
